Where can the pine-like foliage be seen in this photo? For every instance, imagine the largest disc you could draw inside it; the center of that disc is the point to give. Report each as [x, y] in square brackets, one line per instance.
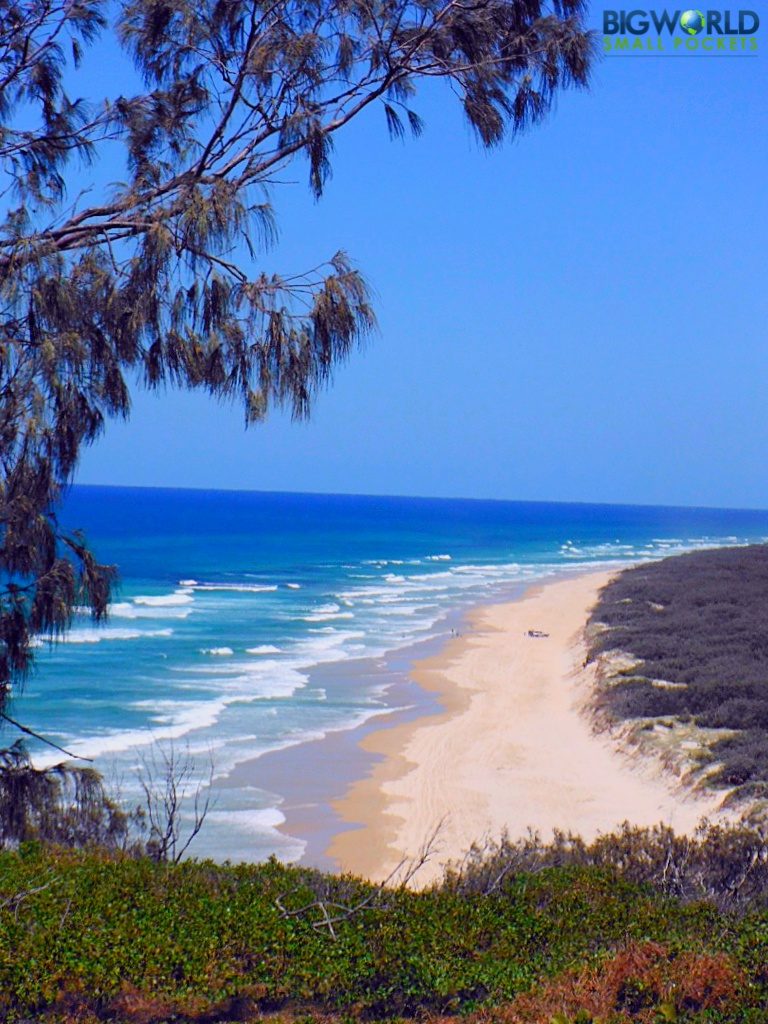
[160, 281]
[63, 804]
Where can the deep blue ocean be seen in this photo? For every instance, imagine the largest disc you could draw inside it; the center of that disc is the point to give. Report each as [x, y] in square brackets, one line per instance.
[229, 600]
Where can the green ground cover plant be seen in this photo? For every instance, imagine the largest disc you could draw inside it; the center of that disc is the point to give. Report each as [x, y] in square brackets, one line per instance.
[91, 936]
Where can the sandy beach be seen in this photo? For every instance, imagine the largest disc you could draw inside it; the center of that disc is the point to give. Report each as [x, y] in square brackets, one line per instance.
[512, 749]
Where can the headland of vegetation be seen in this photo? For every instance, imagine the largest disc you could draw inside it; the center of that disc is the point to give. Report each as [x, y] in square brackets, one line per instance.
[681, 648]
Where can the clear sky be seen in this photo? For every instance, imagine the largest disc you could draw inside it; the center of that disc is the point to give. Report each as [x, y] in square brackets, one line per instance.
[578, 316]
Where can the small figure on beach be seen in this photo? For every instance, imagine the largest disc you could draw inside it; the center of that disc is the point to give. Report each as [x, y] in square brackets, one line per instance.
[537, 633]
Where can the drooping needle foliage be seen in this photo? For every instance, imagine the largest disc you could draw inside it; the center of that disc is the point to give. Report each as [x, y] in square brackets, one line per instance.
[162, 279]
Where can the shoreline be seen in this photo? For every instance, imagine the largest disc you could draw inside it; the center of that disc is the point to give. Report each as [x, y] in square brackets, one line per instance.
[299, 777]
[510, 748]
[308, 778]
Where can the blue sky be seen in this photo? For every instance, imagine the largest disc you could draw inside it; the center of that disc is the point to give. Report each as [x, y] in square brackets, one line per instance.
[577, 316]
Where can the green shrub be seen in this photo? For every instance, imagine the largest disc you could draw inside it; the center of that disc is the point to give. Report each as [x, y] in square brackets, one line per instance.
[129, 939]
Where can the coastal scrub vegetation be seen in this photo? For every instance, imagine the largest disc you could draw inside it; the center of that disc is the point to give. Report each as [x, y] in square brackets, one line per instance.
[522, 933]
[694, 636]
[161, 279]
[725, 865]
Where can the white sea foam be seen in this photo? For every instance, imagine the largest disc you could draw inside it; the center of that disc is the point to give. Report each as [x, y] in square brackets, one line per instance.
[616, 553]
[330, 637]
[191, 715]
[250, 680]
[128, 610]
[185, 715]
[267, 817]
[438, 558]
[255, 825]
[97, 634]
[263, 649]
[220, 652]
[326, 616]
[178, 597]
[293, 586]
[235, 588]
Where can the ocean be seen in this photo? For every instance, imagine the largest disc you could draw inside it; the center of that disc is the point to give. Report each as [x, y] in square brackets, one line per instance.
[250, 622]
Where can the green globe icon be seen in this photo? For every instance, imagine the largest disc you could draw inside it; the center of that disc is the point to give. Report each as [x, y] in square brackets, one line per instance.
[692, 22]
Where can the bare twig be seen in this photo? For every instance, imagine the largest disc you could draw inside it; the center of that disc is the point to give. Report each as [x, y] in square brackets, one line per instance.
[373, 901]
[167, 781]
[15, 901]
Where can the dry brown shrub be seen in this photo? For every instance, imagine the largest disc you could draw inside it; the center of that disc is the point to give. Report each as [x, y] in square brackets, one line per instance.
[134, 1006]
[138, 1007]
[629, 987]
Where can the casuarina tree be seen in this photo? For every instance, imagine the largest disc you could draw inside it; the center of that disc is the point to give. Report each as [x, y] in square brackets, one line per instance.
[162, 279]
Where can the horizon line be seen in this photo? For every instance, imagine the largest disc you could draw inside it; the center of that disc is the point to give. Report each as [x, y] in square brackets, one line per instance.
[419, 497]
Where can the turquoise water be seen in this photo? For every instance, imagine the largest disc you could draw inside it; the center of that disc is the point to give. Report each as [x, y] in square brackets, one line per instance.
[228, 600]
